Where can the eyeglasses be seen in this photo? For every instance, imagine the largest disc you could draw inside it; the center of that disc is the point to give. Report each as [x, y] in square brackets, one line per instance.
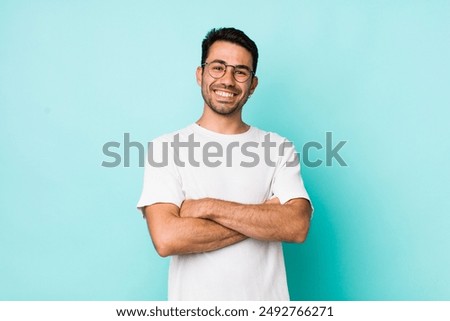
[217, 69]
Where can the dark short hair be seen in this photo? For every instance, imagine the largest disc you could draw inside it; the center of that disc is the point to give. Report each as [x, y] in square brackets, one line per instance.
[231, 35]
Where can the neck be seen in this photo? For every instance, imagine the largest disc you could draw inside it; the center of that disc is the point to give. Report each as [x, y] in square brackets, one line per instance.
[223, 124]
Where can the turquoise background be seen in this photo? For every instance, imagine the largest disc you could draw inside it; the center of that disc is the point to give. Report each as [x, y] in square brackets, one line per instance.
[75, 75]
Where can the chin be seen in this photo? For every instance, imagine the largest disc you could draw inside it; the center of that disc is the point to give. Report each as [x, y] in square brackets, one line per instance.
[225, 111]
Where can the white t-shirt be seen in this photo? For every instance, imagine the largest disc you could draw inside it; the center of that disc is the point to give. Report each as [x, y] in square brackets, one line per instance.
[241, 168]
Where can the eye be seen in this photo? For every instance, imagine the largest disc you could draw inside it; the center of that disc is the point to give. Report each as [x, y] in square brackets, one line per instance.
[217, 67]
[241, 72]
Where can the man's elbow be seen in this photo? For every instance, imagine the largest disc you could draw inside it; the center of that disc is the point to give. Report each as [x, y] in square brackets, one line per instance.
[161, 233]
[298, 227]
[301, 237]
[162, 251]
[300, 234]
[163, 245]
[299, 231]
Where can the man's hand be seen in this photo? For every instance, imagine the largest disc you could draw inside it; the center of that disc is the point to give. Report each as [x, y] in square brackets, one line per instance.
[194, 208]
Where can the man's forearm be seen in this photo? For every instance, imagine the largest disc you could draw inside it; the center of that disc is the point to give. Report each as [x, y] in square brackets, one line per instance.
[173, 235]
[269, 221]
[196, 235]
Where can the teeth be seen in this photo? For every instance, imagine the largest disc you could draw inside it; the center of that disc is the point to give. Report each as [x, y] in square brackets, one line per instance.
[224, 94]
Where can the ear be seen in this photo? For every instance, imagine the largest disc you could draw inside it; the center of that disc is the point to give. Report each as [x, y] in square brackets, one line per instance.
[199, 75]
[253, 85]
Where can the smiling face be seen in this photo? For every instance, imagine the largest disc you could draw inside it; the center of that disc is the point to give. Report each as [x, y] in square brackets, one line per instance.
[226, 96]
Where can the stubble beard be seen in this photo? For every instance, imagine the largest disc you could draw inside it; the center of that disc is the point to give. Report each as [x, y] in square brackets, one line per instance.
[224, 111]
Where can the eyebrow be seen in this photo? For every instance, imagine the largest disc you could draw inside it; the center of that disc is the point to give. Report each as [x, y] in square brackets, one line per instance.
[237, 66]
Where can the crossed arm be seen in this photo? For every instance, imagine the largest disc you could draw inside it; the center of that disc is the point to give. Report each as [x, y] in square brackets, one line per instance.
[209, 224]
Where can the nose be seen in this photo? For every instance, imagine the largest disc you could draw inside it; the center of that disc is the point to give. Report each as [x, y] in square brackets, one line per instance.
[228, 77]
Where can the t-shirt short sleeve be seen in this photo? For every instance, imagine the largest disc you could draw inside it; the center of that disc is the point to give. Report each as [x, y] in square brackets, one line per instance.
[288, 183]
[162, 183]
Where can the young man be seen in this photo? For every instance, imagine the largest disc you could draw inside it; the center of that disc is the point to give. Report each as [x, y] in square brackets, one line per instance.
[220, 196]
